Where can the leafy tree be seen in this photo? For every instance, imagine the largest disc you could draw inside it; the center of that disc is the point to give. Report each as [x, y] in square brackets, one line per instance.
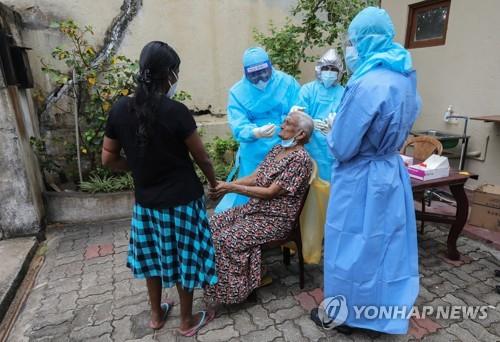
[317, 23]
[96, 86]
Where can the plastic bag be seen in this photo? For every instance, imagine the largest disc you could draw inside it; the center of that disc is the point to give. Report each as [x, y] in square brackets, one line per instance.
[312, 220]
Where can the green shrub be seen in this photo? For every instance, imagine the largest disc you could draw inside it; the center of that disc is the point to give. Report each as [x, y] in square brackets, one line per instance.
[107, 183]
[221, 152]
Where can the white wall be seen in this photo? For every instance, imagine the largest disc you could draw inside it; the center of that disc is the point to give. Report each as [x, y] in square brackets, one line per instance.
[210, 36]
[465, 72]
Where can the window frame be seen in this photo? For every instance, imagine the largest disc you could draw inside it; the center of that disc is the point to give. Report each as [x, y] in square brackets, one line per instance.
[410, 42]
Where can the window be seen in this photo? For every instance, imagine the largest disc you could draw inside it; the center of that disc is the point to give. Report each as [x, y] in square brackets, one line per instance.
[14, 63]
[427, 23]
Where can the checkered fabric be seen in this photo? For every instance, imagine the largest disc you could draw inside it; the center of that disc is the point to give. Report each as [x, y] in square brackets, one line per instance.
[174, 244]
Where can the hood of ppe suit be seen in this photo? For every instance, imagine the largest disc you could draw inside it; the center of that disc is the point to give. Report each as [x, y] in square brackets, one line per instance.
[371, 32]
[254, 55]
[330, 58]
[256, 100]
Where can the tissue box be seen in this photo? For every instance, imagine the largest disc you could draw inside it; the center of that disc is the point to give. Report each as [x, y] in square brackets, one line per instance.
[433, 167]
[407, 160]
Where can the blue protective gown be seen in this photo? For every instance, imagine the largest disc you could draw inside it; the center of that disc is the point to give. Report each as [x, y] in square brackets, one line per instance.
[370, 254]
[248, 108]
[320, 101]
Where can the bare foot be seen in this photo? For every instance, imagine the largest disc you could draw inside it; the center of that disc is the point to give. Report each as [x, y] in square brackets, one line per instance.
[158, 319]
[186, 325]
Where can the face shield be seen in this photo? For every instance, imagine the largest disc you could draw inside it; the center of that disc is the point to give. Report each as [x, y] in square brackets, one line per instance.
[328, 65]
[351, 56]
[260, 72]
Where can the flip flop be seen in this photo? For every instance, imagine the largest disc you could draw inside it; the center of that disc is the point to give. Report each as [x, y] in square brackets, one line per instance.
[206, 317]
[166, 309]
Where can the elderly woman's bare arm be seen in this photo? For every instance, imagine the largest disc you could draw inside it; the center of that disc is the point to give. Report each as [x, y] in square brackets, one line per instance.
[248, 180]
[266, 193]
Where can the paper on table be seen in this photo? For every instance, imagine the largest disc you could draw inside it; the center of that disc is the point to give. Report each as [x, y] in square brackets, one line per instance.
[436, 162]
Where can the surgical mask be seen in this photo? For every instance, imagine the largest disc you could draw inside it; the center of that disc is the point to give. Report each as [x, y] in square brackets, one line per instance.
[261, 85]
[287, 143]
[173, 87]
[351, 58]
[328, 77]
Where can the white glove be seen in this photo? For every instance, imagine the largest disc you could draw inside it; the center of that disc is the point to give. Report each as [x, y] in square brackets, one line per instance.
[330, 119]
[321, 126]
[265, 131]
[297, 109]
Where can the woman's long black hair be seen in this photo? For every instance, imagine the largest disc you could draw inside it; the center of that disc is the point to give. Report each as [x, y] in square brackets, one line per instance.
[158, 65]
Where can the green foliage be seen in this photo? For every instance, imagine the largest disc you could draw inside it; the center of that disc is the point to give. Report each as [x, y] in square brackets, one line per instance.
[181, 96]
[107, 183]
[221, 152]
[97, 85]
[317, 23]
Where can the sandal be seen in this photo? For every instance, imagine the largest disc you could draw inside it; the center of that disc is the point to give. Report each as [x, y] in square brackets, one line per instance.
[265, 281]
[343, 329]
[206, 317]
[166, 309]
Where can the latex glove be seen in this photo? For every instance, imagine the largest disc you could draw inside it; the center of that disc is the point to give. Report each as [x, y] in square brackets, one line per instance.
[265, 131]
[321, 126]
[330, 119]
[297, 109]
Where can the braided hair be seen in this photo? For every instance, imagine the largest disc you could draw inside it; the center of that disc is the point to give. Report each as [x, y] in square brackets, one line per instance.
[158, 62]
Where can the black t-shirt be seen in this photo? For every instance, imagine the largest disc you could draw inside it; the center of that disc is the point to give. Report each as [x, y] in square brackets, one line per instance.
[163, 173]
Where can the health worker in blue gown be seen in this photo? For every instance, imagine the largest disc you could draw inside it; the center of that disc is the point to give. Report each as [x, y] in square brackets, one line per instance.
[370, 252]
[257, 106]
[320, 99]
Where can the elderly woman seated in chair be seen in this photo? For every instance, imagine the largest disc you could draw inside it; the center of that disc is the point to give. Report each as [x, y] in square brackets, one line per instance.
[275, 189]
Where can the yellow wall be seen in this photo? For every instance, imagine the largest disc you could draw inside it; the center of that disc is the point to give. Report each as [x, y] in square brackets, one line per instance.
[465, 72]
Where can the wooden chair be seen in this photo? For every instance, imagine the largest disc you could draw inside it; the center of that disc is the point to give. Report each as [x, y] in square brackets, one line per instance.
[423, 147]
[295, 234]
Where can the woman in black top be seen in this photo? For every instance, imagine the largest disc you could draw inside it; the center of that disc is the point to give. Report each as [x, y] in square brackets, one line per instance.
[170, 241]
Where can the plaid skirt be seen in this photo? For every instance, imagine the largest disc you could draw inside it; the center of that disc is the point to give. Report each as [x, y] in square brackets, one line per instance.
[174, 244]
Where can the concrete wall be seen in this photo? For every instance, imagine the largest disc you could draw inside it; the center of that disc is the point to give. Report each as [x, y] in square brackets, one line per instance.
[210, 36]
[21, 205]
[465, 72]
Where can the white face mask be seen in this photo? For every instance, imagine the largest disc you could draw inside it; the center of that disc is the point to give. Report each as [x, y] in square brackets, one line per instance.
[173, 87]
[261, 85]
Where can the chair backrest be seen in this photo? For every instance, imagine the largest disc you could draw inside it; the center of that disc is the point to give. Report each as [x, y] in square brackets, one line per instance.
[423, 146]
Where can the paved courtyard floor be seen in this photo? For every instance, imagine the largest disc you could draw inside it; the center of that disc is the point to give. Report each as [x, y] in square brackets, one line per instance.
[85, 292]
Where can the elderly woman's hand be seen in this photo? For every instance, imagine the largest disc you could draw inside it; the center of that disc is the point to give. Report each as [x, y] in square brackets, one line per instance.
[221, 189]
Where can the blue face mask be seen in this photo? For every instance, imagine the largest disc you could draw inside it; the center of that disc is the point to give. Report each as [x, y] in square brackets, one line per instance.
[351, 58]
[328, 78]
[287, 143]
